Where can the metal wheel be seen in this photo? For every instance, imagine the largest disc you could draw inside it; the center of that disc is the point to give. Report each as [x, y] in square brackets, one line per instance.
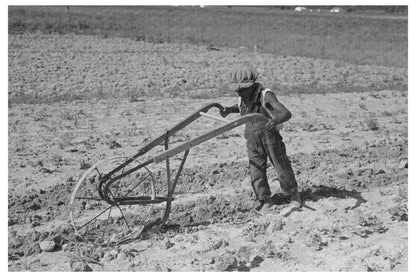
[99, 221]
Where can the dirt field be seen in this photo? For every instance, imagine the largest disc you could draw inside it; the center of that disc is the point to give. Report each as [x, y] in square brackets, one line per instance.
[348, 144]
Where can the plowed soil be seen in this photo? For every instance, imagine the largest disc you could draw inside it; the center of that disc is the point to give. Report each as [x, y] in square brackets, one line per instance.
[348, 144]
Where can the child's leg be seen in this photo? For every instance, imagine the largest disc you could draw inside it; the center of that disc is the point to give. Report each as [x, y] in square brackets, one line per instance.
[258, 161]
[276, 150]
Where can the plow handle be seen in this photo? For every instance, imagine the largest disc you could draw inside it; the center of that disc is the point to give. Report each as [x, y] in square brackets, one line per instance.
[207, 136]
[155, 142]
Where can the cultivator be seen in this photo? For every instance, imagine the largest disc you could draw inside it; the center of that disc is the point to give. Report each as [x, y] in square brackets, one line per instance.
[117, 197]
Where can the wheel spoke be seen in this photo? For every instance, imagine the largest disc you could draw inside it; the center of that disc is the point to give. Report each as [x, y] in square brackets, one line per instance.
[122, 214]
[108, 219]
[125, 220]
[130, 190]
[95, 217]
[99, 173]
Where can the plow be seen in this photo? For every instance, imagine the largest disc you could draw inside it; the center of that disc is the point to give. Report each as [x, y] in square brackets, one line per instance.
[116, 197]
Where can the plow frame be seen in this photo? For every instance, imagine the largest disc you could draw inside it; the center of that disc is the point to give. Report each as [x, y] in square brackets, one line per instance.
[109, 178]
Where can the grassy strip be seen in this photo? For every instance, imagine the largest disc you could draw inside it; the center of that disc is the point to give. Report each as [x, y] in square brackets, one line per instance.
[351, 37]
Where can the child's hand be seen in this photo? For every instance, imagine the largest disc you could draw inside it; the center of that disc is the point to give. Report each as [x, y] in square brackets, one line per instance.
[270, 125]
[224, 112]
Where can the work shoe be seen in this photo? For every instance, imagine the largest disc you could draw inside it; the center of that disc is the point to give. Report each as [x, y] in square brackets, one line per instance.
[268, 205]
[294, 205]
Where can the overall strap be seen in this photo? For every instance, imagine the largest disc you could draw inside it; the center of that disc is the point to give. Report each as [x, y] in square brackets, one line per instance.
[263, 94]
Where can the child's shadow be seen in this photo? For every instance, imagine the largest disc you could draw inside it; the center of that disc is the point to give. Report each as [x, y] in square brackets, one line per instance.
[319, 192]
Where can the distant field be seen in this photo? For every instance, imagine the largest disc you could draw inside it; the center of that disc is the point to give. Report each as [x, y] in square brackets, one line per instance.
[352, 37]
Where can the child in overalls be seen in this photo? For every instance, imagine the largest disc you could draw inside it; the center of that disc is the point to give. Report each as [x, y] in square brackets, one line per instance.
[263, 138]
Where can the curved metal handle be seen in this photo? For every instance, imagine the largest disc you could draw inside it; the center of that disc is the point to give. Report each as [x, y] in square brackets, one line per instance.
[176, 128]
[155, 142]
[187, 145]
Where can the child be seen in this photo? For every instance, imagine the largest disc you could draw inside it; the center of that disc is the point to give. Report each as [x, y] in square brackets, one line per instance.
[263, 139]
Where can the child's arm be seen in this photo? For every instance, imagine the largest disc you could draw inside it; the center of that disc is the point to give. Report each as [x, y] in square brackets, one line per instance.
[277, 111]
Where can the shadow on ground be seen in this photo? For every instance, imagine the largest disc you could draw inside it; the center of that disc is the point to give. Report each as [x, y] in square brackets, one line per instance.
[320, 192]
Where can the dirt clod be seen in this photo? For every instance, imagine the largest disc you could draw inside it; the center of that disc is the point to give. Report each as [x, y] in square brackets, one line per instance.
[399, 212]
[226, 262]
[278, 225]
[168, 244]
[315, 240]
[47, 245]
[16, 242]
[80, 266]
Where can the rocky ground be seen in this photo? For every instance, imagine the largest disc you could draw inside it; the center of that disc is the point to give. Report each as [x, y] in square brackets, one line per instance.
[348, 147]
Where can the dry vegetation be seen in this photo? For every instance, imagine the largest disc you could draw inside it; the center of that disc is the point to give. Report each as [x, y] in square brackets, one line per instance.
[51, 68]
